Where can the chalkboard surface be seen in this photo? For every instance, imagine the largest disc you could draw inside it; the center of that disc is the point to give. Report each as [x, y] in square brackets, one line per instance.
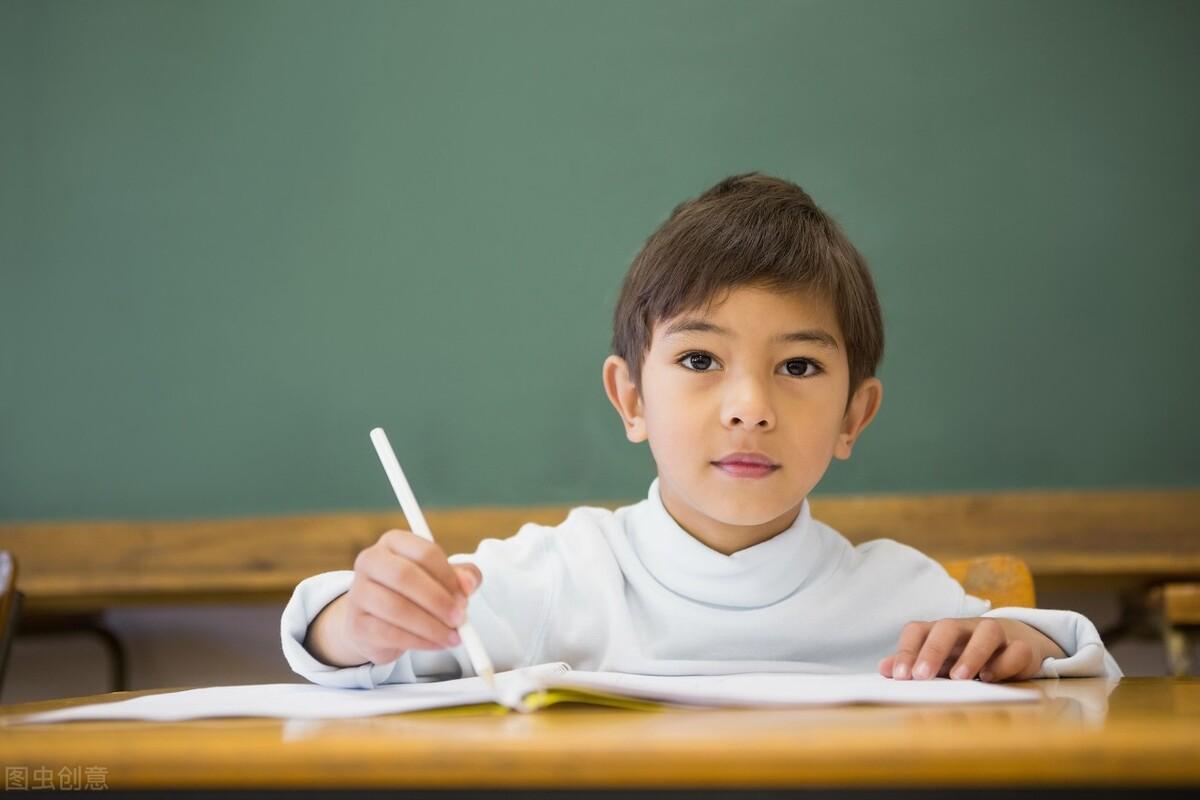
[235, 236]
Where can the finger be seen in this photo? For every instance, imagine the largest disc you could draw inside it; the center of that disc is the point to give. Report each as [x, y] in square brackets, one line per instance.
[1015, 662]
[987, 638]
[942, 638]
[469, 577]
[885, 666]
[911, 638]
[381, 642]
[408, 578]
[428, 554]
[401, 612]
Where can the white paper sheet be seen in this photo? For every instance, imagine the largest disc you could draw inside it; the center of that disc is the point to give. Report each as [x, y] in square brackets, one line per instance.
[793, 689]
[309, 701]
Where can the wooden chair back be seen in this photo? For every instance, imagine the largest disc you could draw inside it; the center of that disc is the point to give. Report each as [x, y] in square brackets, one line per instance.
[1003, 579]
[10, 607]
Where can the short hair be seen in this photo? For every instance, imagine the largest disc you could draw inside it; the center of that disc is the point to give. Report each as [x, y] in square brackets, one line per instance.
[748, 230]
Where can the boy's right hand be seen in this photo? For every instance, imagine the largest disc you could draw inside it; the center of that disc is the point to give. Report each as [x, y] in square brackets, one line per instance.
[405, 596]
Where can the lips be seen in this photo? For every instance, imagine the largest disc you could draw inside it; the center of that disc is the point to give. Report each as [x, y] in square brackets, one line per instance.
[746, 465]
[747, 458]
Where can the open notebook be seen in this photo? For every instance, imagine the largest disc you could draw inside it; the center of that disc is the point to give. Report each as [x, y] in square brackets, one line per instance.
[536, 687]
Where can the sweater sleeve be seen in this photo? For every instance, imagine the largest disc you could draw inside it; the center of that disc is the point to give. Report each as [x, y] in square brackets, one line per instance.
[308, 599]
[508, 612]
[1086, 656]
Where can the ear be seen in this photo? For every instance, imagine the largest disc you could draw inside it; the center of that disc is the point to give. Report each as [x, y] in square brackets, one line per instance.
[624, 396]
[862, 410]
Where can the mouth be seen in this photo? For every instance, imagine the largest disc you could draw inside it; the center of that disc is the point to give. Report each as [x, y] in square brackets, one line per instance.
[746, 465]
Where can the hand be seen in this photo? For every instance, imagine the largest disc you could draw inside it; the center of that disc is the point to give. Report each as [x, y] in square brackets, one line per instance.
[405, 596]
[961, 648]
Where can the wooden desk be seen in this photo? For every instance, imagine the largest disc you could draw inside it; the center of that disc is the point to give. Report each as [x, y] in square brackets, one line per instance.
[1145, 733]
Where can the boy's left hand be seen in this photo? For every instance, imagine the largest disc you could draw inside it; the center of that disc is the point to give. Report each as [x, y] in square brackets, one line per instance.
[995, 649]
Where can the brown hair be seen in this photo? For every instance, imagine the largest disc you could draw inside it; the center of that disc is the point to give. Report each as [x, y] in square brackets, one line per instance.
[748, 230]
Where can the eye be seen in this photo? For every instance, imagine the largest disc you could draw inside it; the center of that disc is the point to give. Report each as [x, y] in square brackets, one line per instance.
[804, 364]
[696, 360]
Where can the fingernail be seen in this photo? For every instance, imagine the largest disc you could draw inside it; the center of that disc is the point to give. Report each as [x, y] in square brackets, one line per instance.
[457, 616]
[985, 675]
[900, 671]
[960, 672]
[921, 672]
[454, 638]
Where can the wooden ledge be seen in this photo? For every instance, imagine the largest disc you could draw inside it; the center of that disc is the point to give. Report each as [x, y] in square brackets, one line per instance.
[1106, 539]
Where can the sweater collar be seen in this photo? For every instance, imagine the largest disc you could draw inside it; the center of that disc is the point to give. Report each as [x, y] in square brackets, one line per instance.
[750, 578]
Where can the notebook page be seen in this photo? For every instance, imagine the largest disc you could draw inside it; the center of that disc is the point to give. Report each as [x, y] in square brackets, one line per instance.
[303, 700]
[790, 689]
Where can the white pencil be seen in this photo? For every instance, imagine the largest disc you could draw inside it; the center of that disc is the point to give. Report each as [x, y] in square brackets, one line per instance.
[408, 502]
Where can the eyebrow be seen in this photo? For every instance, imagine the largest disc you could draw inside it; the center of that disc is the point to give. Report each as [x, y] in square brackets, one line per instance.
[813, 335]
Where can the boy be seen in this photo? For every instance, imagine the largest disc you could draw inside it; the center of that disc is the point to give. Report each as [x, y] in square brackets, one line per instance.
[746, 339]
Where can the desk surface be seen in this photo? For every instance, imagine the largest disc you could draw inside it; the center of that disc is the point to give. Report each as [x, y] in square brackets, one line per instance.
[1083, 732]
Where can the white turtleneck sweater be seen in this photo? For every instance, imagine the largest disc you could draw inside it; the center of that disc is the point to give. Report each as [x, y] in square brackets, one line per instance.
[629, 590]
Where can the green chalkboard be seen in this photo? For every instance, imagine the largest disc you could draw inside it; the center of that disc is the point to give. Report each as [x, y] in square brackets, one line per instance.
[235, 236]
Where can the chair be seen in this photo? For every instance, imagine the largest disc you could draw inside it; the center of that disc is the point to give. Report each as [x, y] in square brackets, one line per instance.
[1003, 579]
[10, 608]
[1174, 608]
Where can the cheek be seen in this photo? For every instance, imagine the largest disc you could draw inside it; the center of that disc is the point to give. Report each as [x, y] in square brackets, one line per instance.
[812, 421]
[669, 404]
[810, 429]
[676, 427]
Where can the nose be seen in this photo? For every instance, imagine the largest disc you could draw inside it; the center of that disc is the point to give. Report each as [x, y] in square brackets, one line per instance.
[748, 404]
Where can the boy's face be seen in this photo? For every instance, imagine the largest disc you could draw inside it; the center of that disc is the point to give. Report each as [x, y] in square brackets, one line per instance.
[707, 394]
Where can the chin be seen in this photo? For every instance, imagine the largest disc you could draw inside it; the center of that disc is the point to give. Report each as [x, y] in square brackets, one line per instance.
[744, 512]
[750, 505]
